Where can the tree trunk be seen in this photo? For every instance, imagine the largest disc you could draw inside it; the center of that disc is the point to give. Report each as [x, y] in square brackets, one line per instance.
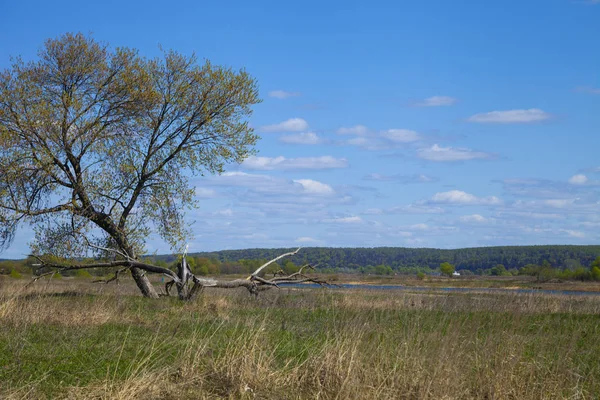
[138, 275]
[143, 283]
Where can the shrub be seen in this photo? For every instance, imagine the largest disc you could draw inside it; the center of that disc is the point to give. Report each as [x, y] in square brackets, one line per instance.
[82, 273]
[15, 274]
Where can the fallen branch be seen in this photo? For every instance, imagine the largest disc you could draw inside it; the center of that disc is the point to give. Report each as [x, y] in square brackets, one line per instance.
[189, 285]
[114, 278]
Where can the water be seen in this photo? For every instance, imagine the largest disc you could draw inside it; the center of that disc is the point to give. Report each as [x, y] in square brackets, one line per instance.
[446, 289]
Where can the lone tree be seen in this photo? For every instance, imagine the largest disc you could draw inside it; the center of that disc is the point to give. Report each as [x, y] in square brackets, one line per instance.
[447, 269]
[97, 146]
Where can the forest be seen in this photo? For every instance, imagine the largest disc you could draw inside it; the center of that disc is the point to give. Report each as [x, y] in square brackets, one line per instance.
[402, 259]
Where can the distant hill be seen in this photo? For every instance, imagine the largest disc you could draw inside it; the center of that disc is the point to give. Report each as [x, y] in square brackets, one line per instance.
[400, 257]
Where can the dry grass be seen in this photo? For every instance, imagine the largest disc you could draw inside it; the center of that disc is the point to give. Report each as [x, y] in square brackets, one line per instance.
[72, 339]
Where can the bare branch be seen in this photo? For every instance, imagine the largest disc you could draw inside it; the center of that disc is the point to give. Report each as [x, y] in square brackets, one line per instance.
[254, 284]
[255, 273]
[114, 278]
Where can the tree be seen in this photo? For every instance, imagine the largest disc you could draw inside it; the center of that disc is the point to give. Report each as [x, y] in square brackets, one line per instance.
[499, 270]
[447, 269]
[97, 146]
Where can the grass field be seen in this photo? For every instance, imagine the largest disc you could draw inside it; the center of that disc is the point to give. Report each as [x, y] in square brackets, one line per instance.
[74, 339]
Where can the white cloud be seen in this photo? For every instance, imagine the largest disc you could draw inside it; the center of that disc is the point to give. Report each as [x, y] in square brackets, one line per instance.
[531, 215]
[301, 138]
[559, 203]
[577, 234]
[416, 178]
[409, 209]
[315, 187]
[359, 141]
[272, 163]
[474, 218]
[306, 239]
[436, 101]
[345, 220]
[419, 227]
[359, 130]
[401, 135]
[282, 94]
[290, 125]
[383, 140]
[458, 197]
[449, 154]
[205, 193]
[578, 179]
[239, 178]
[511, 116]
[227, 212]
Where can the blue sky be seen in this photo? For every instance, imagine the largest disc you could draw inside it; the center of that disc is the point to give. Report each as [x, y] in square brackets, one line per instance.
[384, 123]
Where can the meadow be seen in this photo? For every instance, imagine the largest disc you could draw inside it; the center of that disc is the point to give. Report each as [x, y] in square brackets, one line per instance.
[70, 338]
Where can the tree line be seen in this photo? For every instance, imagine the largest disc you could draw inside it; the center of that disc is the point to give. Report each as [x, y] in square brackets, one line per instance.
[413, 260]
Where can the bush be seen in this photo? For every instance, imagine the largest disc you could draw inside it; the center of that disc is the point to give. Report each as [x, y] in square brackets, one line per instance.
[420, 275]
[82, 273]
[15, 274]
[595, 273]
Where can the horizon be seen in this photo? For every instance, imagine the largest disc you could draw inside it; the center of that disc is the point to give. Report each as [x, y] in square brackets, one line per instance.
[426, 125]
[356, 247]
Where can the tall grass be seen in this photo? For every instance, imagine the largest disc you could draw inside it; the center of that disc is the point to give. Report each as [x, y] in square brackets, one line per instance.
[67, 339]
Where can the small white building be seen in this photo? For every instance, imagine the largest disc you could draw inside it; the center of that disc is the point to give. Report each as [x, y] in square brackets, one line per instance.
[456, 273]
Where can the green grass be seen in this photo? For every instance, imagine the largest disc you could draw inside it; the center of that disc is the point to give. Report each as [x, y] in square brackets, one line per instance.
[78, 340]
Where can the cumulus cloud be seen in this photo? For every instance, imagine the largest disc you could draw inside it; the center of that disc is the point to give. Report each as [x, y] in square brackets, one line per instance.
[449, 154]
[345, 220]
[408, 209]
[205, 193]
[382, 140]
[290, 125]
[419, 227]
[405, 179]
[315, 187]
[530, 215]
[574, 233]
[579, 179]
[282, 94]
[458, 197]
[437, 101]
[301, 138]
[359, 130]
[401, 135]
[227, 212]
[306, 239]
[274, 163]
[511, 116]
[239, 178]
[474, 218]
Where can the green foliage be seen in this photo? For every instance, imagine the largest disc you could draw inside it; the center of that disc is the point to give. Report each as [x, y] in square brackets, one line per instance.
[82, 273]
[499, 270]
[15, 274]
[595, 273]
[132, 131]
[447, 269]
[411, 260]
[420, 275]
